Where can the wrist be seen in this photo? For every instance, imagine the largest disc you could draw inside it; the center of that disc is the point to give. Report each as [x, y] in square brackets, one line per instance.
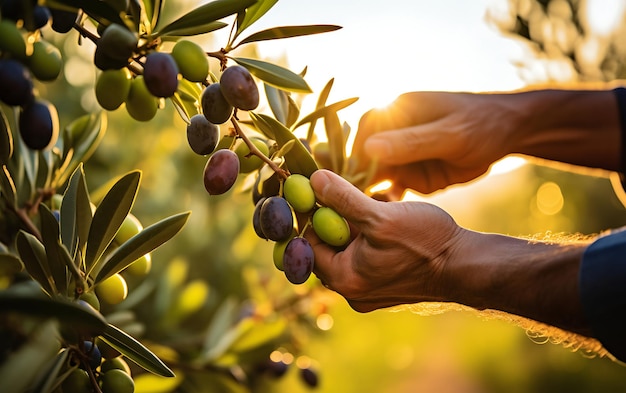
[536, 280]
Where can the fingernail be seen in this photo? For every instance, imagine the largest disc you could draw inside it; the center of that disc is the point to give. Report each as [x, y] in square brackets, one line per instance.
[377, 147]
[319, 182]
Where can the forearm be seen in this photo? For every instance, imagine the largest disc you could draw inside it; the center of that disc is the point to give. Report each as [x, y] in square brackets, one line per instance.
[579, 127]
[536, 280]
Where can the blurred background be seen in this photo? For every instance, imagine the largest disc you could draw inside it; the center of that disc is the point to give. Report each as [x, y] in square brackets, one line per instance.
[384, 49]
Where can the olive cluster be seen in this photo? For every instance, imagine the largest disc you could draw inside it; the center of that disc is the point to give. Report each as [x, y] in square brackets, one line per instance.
[26, 56]
[108, 367]
[275, 218]
[138, 75]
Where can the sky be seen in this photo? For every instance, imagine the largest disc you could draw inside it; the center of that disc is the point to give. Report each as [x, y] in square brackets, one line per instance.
[389, 47]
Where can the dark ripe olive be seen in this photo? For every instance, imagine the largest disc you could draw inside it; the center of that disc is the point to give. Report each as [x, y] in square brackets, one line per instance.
[93, 354]
[298, 260]
[41, 17]
[16, 83]
[214, 106]
[239, 88]
[256, 219]
[309, 376]
[62, 20]
[220, 172]
[202, 135]
[276, 218]
[105, 62]
[160, 73]
[39, 125]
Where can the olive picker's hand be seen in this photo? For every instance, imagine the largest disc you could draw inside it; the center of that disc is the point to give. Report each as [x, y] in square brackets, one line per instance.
[426, 141]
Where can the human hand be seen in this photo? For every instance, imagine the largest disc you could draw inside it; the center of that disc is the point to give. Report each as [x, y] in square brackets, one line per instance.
[399, 251]
[426, 141]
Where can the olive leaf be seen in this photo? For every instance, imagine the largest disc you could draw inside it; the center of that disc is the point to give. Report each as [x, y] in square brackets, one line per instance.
[321, 112]
[299, 160]
[264, 332]
[47, 379]
[153, 11]
[85, 134]
[196, 29]
[33, 255]
[76, 212]
[277, 100]
[142, 243]
[288, 32]
[10, 264]
[205, 14]
[135, 351]
[98, 10]
[57, 255]
[7, 186]
[6, 139]
[274, 75]
[336, 145]
[44, 172]
[252, 14]
[21, 367]
[109, 216]
[71, 314]
[321, 102]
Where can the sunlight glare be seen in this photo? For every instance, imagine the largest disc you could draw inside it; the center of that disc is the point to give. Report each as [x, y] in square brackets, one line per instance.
[506, 165]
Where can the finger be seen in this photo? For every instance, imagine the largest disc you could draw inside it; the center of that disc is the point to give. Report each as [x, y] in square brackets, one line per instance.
[410, 144]
[337, 193]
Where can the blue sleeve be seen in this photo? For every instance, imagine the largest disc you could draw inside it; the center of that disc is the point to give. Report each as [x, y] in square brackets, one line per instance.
[603, 291]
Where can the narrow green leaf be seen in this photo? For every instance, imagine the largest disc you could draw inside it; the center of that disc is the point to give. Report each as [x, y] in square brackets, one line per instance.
[274, 75]
[70, 314]
[293, 113]
[109, 216]
[334, 132]
[88, 132]
[135, 351]
[144, 242]
[254, 13]
[33, 255]
[57, 259]
[299, 160]
[288, 32]
[209, 12]
[332, 108]
[47, 379]
[278, 103]
[194, 30]
[321, 102]
[6, 139]
[153, 11]
[21, 367]
[261, 125]
[264, 332]
[98, 10]
[76, 212]
[10, 264]
[7, 186]
[42, 179]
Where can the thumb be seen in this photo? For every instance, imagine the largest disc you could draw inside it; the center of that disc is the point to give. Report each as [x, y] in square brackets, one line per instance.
[406, 145]
[337, 193]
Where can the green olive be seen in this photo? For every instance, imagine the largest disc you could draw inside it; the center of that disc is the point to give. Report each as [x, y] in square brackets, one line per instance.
[77, 381]
[191, 60]
[331, 227]
[249, 163]
[117, 381]
[45, 62]
[112, 290]
[112, 88]
[12, 40]
[91, 299]
[141, 266]
[298, 192]
[141, 105]
[129, 228]
[116, 363]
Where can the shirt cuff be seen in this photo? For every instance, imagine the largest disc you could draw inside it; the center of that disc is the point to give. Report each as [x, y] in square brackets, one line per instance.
[603, 291]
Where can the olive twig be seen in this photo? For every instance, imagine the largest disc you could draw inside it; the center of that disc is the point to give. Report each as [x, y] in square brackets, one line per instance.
[254, 150]
[86, 33]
